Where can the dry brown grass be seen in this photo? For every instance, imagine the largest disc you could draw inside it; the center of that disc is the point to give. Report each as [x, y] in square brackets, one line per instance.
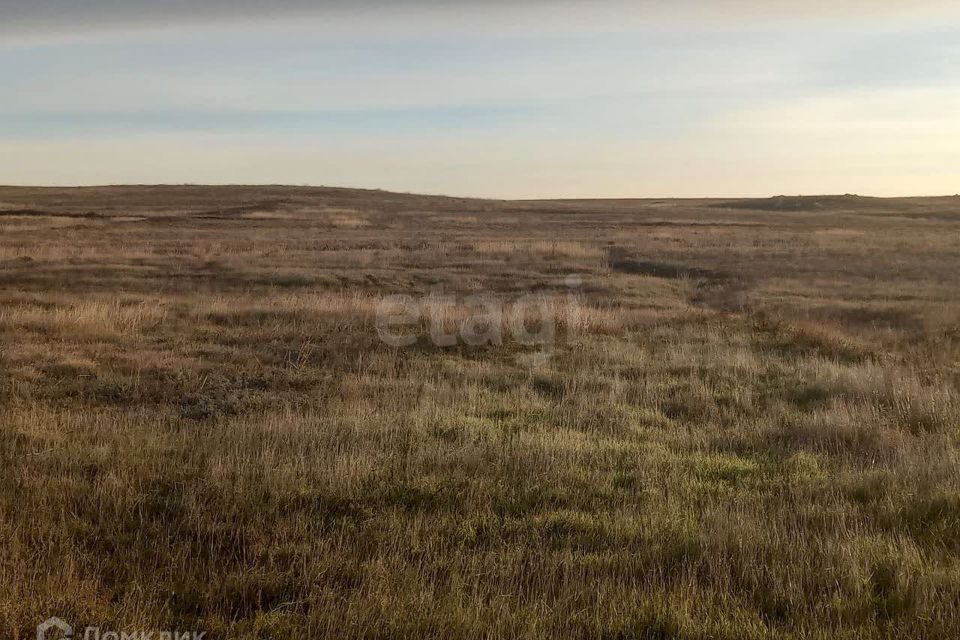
[748, 427]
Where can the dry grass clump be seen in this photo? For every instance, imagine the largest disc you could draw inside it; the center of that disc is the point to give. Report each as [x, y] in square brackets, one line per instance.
[547, 249]
[730, 423]
[85, 319]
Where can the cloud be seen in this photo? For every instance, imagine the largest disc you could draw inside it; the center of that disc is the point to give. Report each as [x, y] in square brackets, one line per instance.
[25, 19]
[90, 124]
[529, 98]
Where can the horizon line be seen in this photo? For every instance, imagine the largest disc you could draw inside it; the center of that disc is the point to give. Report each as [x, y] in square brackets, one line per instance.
[469, 197]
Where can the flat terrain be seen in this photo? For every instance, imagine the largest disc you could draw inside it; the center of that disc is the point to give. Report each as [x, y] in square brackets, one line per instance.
[744, 425]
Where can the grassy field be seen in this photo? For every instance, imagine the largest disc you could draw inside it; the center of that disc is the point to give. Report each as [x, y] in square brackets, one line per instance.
[745, 423]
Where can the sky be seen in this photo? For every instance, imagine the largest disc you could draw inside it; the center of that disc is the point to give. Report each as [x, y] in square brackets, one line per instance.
[497, 98]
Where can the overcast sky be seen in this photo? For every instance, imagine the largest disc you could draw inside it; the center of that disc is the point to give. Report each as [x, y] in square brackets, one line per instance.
[494, 98]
